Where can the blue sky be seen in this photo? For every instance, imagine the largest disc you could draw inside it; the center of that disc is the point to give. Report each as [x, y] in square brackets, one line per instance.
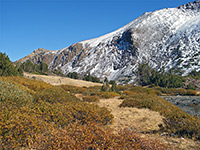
[26, 25]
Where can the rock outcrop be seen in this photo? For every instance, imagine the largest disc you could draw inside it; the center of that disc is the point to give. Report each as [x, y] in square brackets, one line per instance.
[166, 38]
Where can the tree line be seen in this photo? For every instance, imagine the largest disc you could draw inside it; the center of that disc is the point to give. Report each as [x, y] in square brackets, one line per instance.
[28, 66]
[148, 76]
[7, 68]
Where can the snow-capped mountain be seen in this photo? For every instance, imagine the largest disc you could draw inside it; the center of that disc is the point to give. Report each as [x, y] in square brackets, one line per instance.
[168, 38]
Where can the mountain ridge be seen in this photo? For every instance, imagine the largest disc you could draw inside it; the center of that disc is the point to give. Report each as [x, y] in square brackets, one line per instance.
[166, 38]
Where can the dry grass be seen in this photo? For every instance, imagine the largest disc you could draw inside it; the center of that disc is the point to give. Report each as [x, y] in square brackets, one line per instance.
[56, 80]
[140, 120]
[179, 143]
[143, 120]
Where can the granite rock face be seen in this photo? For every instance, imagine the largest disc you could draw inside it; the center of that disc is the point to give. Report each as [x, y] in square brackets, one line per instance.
[168, 38]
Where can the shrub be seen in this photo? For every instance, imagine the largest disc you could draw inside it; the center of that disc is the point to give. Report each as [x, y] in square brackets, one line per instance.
[94, 137]
[90, 99]
[107, 95]
[124, 87]
[92, 90]
[191, 86]
[176, 120]
[191, 92]
[63, 114]
[18, 128]
[174, 91]
[73, 89]
[54, 95]
[11, 95]
[30, 85]
[20, 125]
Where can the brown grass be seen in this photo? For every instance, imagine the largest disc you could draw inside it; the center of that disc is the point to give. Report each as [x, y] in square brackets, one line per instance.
[143, 120]
[56, 80]
[140, 120]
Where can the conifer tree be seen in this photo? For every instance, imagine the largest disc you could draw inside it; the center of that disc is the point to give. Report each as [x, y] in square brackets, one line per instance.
[105, 86]
[7, 68]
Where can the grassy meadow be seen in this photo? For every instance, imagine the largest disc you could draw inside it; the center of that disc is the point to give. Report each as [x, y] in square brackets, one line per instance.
[38, 115]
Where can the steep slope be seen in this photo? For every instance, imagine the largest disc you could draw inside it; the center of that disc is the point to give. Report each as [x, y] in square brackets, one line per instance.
[168, 38]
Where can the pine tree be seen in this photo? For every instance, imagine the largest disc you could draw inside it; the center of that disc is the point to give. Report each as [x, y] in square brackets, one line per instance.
[7, 68]
[106, 86]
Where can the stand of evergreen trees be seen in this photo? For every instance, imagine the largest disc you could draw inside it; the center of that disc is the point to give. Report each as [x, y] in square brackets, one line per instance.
[88, 77]
[73, 75]
[148, 76]
[28, 66]
[7, 68]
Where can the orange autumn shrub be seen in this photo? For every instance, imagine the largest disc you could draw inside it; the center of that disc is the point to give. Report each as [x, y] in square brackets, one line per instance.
[30, 85]
[91, 99]
[54, 95]
[176, 120]
[94, 137]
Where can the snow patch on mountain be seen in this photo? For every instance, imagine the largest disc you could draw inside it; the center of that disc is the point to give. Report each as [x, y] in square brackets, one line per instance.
[168, 38]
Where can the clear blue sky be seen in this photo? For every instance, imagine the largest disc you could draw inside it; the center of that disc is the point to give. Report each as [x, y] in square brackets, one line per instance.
[26, 25]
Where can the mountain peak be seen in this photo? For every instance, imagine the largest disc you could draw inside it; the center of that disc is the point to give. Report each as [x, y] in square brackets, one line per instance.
[167, 38]
[192, 6]
[40, 50]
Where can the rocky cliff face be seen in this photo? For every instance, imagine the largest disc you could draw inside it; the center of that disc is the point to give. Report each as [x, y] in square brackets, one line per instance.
[168, 38]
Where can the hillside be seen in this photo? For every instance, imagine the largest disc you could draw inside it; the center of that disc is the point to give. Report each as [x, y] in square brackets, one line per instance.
[56, 80]
[167, 38]
[38, 115]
